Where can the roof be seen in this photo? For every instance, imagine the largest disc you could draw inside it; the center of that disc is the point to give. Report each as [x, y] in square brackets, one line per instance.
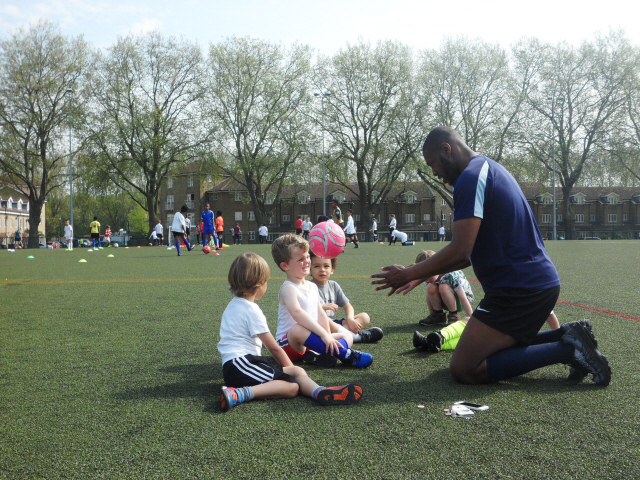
[592, 194]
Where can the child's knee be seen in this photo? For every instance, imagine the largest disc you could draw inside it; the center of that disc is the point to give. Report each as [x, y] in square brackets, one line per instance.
[444, 288]
[363, 318]
[432, 288]
[295, 372]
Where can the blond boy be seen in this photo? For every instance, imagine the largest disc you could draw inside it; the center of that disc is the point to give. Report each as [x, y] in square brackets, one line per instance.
[302, 323]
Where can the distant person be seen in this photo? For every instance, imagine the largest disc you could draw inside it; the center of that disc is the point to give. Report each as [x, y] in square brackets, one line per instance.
[374, 229]
[107, 236]
[392, 226]
[323, 218]
[207, 225]
[95, 232]
[199, 232]
[306, 227]
[337, 213]
[263, 233]
[495, 231]
[350, 230]
[17, 238]
[154, 237]
[68, 234]
[299, 226]
[441, 232]
[159, 232]
[187, 223]
[244, 330]
[179, 229]
[220, 230]
[237, 231]
[398, 235]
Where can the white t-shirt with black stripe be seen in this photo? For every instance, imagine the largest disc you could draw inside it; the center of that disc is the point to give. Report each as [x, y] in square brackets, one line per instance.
[242, 322]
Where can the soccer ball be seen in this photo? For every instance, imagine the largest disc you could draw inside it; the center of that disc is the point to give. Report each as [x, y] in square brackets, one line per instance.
[116, 245]
[151, 244]
[327, 240]
[206, 249]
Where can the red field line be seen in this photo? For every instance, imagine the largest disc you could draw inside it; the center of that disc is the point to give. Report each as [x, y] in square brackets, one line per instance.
[615, 314]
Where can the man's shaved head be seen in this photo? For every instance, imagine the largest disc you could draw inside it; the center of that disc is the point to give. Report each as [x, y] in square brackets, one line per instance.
[438, 136]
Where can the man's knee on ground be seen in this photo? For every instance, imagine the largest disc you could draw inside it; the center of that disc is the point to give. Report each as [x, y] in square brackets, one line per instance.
[464, 374]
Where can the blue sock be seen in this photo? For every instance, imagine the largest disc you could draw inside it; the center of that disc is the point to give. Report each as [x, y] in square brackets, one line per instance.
[186, 242]
[178, 245]
[245, 394]
[316, 391]
[549, 336]
[99, 242]
[315, 343]
[518, 360]
[94, 243]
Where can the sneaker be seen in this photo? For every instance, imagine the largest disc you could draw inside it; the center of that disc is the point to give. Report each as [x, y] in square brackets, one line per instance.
[586, 354]
[576, 371]
[179, 254]
[359, 359]
[371, 335]
[453, 317]
[586, 323]
[435, 340]
[344, 395]
[434, 318]
[228, 399]
[323, 360]
[419, 341]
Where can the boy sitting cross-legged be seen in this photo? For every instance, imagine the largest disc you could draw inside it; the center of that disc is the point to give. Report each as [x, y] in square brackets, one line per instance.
[302, 323]
[333, 298]
[244, 330]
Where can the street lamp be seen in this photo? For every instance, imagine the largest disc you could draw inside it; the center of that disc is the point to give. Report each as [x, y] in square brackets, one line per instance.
[324, 181]
[70, 92]
[553, 140]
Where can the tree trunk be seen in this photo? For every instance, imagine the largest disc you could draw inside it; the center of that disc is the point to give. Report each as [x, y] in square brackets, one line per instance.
[151, 210]
[567, 213]
[35, 210]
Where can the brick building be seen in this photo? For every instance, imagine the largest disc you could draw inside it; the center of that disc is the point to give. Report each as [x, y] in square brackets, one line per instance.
[14, 214]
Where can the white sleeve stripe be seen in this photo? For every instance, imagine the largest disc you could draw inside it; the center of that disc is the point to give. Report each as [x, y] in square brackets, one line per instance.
[478, 209]
[252, 371]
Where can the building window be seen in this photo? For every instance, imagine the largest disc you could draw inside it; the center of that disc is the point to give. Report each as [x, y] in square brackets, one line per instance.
[169, 204]
[3, 204]
[286, 218]
[339, 196]
[579, 218]
[410, 218]
[356, 217]
[271, 220]
[410, 197]
[190, 181]
[303, 198]
[238, 216]
[443, 217]
[24, 206]
[169, 182]
[579, 200]
[251, 216]
[592, 218]
[190, 201]
[443, 202]
[426, 217]
[546, 218]
[214, 197]
[14, 205]
[625, 217]
[375, 195]
[209, 179]
[269, 198]
[613, 218]
[238, 196]
[169, 221]
[559, 217]
[252, 235]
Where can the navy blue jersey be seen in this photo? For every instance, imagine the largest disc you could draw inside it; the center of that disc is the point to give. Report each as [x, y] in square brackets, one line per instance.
[207, 219]
[509, 250]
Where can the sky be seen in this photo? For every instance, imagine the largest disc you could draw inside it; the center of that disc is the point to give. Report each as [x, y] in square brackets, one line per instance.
[329, 25]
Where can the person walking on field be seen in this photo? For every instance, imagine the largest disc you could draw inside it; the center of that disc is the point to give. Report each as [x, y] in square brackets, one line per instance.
[495, 231]
[68, 235]
[220, 230]
[441, 232]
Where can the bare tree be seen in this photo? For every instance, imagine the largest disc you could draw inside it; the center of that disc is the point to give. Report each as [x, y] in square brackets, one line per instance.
[581, 91]
[256, 93]
[146, 119]
[372, 118]
[37, 67]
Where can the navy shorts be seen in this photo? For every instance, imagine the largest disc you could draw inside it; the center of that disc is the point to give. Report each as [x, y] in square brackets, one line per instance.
[517, 312]
[252, 370]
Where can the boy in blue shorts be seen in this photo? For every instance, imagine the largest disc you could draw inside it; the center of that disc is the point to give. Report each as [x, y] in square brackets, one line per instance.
[302, 323]
[243, 331]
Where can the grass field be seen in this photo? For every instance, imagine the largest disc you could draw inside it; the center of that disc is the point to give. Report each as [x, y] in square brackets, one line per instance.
[109, 369]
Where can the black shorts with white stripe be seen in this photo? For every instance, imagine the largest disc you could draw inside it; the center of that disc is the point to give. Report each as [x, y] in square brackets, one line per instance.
[252, 370]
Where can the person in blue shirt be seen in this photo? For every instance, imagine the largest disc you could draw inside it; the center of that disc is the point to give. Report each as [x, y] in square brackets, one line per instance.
[494, 231]
[207, 228]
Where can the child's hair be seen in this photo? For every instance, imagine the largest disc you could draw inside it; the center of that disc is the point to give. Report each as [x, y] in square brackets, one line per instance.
[349, 211]
[423, 255]
[283, 246]
[184, 209]
[392, 216]
[95, 218]
[322, 218]
[248, 272]
[334, 261]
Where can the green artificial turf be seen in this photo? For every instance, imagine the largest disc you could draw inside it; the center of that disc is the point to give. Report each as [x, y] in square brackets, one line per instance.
[109, 369]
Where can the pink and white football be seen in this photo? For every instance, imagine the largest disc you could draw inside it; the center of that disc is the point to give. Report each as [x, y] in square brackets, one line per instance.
[327, 240]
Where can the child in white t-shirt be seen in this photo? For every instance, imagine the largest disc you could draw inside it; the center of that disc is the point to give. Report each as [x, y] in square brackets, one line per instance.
[302, 323]
[243, 331]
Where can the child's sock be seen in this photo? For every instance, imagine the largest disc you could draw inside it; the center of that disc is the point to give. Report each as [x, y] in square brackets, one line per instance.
[451, 335]
[178, 246]
[315, 343]
[316, 391]
[245, 394]
[357, 338]
[186, 242]
[99, 242]
[93, 242]
[515, 361]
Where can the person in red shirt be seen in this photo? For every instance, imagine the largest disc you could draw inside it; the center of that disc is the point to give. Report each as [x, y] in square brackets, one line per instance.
[299, 226]
[220, 230]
